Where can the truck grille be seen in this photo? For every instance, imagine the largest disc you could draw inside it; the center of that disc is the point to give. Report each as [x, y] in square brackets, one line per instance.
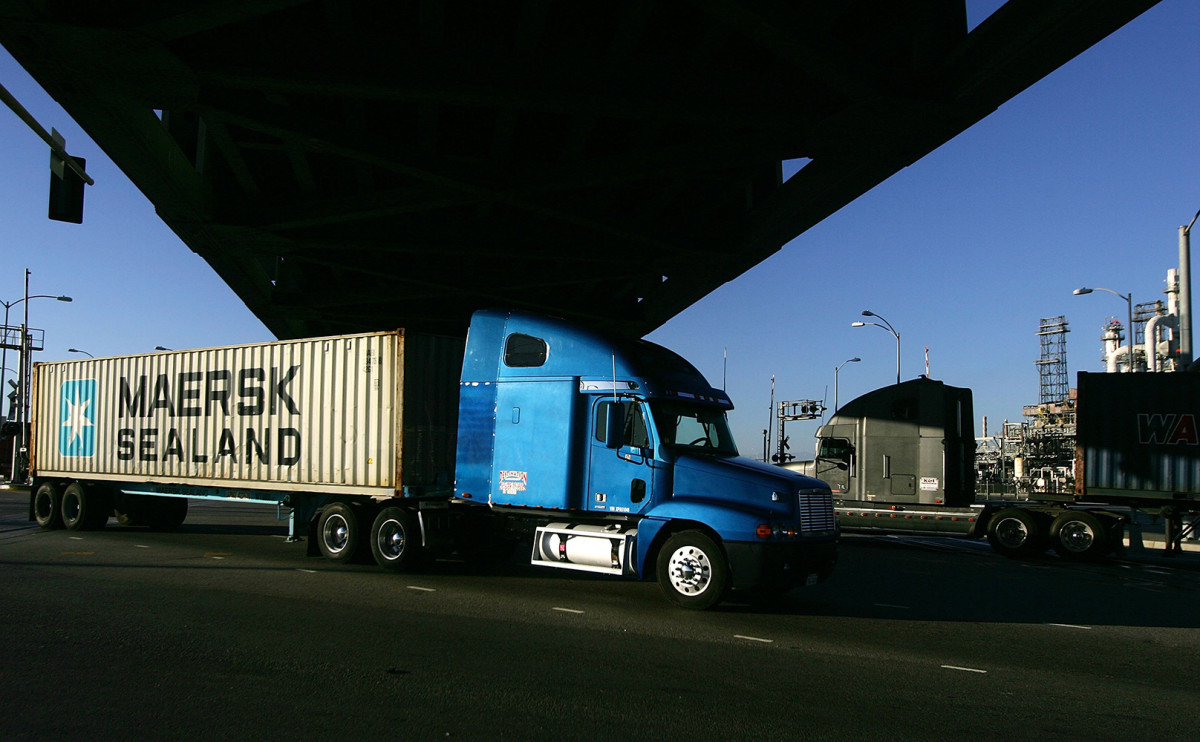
[816, 511]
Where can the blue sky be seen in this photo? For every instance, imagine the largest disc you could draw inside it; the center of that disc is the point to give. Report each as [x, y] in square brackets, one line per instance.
[1082, 180]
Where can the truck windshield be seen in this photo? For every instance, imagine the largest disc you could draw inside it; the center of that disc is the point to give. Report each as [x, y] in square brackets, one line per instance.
[693, 428]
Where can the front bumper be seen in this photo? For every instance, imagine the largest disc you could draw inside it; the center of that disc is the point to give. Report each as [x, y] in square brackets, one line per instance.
[779, 565]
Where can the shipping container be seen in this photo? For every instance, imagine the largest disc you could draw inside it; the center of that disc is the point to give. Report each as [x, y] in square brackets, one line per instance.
[1137, 436]
[370, 414]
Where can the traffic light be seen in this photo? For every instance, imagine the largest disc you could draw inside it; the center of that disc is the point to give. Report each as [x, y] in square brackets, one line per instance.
[66, 190]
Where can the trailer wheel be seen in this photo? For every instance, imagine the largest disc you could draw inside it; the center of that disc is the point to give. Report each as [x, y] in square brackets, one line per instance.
[164, 513]
[1080, 535]
[692, 571]
[339, 532]
[47, 506]
[83, 509]
[1016, 533]
[395, 540]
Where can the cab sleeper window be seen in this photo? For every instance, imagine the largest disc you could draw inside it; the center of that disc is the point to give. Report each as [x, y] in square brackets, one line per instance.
[524, 351]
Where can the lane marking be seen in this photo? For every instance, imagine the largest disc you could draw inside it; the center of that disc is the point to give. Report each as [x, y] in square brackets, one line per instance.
[307, 571]
[567, 610]
[1070, 626]
[140, 546]
[75, 538]
[422, 589]
[754, 639]
[964, 669]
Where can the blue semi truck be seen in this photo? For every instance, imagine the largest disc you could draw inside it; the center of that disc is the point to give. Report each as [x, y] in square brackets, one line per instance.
[593, 452]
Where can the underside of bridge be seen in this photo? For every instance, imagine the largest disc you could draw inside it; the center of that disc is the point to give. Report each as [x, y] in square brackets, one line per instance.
[353, 166]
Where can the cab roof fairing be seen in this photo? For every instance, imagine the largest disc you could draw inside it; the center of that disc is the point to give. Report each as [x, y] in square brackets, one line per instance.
[596, 358]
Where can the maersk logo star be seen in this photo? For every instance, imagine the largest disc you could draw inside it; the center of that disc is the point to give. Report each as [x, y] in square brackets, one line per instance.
[77, 436]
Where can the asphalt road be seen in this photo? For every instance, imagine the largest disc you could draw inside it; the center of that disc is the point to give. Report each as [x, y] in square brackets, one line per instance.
[225, 631]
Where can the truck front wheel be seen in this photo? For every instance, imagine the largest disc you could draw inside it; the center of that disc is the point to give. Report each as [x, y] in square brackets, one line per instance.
[47, 506]
[395, 539]
[1015, 532]
[692, 571]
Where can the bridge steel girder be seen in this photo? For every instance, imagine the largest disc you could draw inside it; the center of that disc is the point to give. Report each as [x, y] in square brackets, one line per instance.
[356, 166]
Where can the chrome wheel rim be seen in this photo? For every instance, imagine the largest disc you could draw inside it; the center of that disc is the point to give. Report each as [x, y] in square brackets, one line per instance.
[689, 570]
[390, 539]
[336, 533]
[1012, 532]
[1076, 536]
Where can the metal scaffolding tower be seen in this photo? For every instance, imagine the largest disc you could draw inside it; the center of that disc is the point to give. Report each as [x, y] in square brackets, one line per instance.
[1052, 366]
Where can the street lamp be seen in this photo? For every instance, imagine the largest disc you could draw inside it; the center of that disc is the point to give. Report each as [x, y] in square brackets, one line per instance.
[885, 326]
[77, 350]
[835, 380]
[1129, 307]
[5, 343]
[26, 365]
[159, 347]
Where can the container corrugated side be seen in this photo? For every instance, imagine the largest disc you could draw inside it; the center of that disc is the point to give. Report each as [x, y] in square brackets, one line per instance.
[1137, 435]
[304, 415]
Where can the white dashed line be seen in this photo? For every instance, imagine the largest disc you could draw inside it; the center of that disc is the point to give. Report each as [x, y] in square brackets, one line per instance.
[964, 669]
[754, 639]
[1070, 626]
[567, 610]
[422, 589]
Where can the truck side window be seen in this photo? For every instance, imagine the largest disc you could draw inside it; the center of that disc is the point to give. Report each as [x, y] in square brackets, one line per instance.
[635, 434]
[524, 351]
[837, 451]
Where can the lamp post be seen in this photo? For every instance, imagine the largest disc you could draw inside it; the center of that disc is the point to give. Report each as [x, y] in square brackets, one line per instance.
[835, 380]
[5, 343]
[885, 326]
[1129, 307]
[25, 367]
[159, 347]
[77, 350]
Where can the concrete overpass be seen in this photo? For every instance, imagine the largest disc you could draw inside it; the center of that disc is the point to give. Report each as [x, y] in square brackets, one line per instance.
[350, 166]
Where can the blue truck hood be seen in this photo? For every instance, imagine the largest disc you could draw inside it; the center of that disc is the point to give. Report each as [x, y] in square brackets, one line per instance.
[739, 481]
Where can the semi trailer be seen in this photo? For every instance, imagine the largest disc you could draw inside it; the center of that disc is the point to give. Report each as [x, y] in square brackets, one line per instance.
[900, 459]
[594, 452]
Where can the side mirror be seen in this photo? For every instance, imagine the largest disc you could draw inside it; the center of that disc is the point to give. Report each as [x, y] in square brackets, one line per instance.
[614, 427]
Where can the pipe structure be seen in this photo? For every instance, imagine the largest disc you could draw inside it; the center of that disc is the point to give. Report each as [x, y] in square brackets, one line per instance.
[1152, 328]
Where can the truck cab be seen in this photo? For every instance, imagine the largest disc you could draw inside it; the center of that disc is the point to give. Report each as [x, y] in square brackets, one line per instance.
[902, 459]
[619, 454]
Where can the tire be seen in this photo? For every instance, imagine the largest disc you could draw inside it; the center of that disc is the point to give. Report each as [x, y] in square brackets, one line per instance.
[1081, 536]
[339, 533]
[77, 506]
[165, 513]
[47, 506]
[130, 514]
[692, 571]
[395, 539]
[1016, 533]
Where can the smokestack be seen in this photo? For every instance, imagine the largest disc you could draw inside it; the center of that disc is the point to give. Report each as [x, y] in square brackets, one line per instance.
[1185, 294]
